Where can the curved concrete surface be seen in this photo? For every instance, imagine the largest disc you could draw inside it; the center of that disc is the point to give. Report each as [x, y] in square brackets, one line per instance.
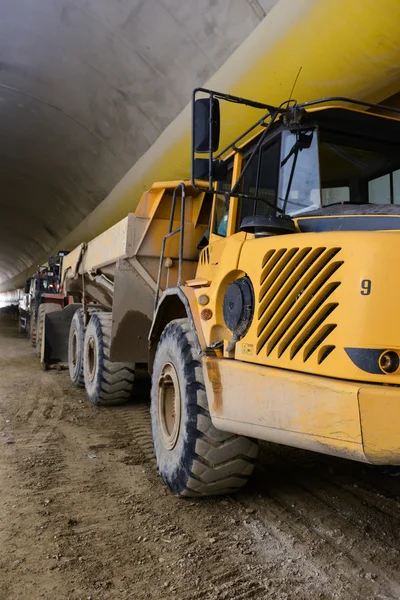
[343, 48]
[86, 87]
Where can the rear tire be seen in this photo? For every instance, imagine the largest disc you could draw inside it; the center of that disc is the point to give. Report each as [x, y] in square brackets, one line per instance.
[28, 326]
[32, 330]
[193, 457]
[43, 310]
[107, 383]
[76, 344]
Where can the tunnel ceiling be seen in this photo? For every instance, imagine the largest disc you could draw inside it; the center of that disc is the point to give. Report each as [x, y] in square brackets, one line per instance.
[86, 86]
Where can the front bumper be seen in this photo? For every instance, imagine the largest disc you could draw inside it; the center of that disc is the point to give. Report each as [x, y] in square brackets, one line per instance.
[342, 418]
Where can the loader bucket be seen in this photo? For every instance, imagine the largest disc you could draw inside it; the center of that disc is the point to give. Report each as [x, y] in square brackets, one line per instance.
[56, 334]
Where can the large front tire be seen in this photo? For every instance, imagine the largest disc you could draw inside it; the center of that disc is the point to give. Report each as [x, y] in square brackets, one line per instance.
[193, 457]
[107, 383]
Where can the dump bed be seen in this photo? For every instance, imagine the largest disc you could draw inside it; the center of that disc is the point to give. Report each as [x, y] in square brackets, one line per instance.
[123, 268]
[106, 249]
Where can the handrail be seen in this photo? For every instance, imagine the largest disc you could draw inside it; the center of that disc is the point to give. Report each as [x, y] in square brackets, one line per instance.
[181, 231]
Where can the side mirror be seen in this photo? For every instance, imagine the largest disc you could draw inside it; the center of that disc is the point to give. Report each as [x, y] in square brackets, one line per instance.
[27, 286]
[201, 169]
[206, 113]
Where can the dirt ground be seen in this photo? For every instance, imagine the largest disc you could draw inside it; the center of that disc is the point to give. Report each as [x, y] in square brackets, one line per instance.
[84, 515]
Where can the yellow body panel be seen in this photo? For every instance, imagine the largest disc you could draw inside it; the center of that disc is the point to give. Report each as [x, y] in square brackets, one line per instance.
[342, 418]
[219, 266]
[380, 418]
[309, 266]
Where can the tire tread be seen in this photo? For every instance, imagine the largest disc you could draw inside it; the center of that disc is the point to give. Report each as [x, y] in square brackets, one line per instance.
[216, 462]
[116, 379]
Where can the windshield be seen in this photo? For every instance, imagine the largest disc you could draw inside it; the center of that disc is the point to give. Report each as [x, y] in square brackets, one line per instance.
[299, 189]
[332, 168]
[359, 171]
[305, 170]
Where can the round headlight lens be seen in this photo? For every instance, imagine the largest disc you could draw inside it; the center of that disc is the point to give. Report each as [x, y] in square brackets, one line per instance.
[238, 306]
[389, 361]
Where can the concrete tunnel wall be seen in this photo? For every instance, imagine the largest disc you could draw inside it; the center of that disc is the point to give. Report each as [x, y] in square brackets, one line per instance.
[86, 87]
[343, 48]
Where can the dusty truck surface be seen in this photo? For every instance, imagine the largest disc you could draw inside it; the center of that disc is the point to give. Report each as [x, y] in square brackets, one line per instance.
[24, 305]
[42, 294]
[261, 296]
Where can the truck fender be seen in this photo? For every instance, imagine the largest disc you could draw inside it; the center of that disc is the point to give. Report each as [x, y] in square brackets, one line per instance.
[56, 335]
[175, 303]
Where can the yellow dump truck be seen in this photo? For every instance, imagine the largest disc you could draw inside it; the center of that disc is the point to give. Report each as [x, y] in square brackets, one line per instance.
[262, 296]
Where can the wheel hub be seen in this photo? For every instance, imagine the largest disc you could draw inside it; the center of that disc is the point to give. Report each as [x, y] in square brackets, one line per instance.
[91, 358]
[74, 349]
[169, 406]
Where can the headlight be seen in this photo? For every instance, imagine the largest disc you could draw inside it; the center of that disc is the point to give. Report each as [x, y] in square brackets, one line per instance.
[389, 361]
[238, 306]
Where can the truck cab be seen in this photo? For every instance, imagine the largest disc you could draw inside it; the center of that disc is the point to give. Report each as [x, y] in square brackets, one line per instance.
[301, 291]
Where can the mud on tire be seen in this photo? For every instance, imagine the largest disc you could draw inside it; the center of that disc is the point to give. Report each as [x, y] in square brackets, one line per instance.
[107, 383]
[32, 329]
[76, 343]
[43, 310]
[193, 457]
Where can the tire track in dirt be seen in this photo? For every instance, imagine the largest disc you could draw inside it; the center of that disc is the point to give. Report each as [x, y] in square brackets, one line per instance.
[91, 517]
[172, 538]
[337, 533]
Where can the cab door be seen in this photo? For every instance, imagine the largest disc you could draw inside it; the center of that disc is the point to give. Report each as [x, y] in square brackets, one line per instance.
[223, 224]
[219, 259]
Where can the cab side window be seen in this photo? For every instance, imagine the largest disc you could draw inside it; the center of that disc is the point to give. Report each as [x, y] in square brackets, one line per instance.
[268, 182]
[222, 204]
[221, 215]
[385, 189]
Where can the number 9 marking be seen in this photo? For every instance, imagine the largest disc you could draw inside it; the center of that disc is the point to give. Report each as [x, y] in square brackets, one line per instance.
[366, 287]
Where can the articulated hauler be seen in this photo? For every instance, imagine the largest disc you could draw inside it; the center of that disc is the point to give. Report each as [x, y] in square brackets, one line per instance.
[262, 296]
[42, 293]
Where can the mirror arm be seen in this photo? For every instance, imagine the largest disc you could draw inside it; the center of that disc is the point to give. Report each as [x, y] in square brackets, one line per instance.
[239, 100]
[256, 149]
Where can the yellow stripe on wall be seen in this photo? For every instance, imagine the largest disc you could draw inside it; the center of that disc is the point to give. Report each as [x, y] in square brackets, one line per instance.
[344, 47]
